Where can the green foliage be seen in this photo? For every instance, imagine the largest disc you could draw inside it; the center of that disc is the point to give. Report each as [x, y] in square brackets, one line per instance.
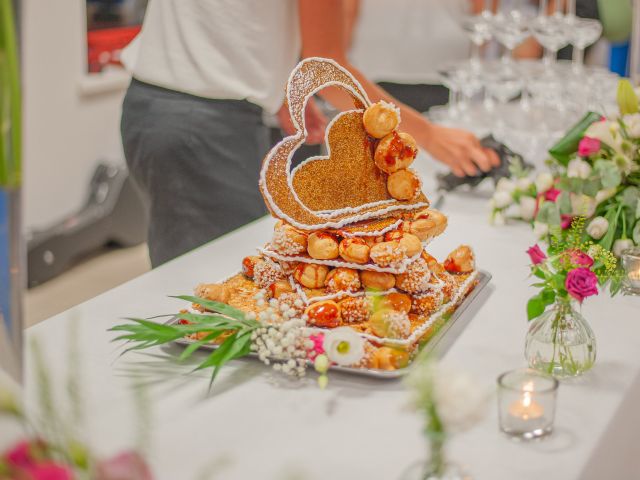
[627, 98]
[224, 320]
[10, 110]
[563, 150]
[609, 173]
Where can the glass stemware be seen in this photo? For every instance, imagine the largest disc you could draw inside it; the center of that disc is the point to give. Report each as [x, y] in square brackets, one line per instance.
[582, 32]
[551, 32]
[510, 26]
[478, 29]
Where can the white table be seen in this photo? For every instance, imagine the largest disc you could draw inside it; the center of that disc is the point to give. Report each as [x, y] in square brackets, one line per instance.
[256, 425]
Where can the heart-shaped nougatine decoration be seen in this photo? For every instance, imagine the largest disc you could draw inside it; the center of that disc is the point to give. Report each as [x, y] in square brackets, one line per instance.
[343, 188]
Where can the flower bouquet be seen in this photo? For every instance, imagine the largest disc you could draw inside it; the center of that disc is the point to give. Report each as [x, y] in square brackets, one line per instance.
[559, 341]
[594, 173]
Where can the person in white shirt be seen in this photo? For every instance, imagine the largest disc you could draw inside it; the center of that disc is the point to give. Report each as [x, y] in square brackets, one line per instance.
[192, 118]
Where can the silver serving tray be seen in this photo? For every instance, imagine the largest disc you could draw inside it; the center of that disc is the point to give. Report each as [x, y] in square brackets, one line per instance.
[437, 345]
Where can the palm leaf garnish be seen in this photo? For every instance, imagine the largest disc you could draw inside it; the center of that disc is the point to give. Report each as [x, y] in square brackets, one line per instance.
[208, 327]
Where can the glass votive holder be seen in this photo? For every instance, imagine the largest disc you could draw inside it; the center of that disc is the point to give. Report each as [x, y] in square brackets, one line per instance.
[526, 403]
[631, 265]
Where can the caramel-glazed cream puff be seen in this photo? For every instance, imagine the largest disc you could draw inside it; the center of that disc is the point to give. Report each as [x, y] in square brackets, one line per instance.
[324, 314]
[288, 240]
[461, 260]
[426, 224]
[395, 152]
[322, 246]
[354, 250]
[377, 280]
[213, 291]
[410, 242]
[311, 275]
[380, 119]
[404, 185]
[342, 280]
[355, 309]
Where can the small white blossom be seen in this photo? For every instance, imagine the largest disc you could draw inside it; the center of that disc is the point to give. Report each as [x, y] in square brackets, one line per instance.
[523, 183]
[505, 185]
[498, 219]
[502, 199]
[343, 346]
[605, 194]
[582, 205]
[607, 132]
[632, 122]
[527, 208]
[597, 228]
[544, 181]
[578, 168]
[620, 245]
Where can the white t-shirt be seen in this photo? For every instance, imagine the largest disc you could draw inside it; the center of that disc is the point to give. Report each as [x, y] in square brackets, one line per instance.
[408, 40]
[226, 49]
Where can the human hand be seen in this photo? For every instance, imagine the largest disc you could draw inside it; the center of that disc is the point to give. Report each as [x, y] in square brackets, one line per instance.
[315, 121]
[459, 149]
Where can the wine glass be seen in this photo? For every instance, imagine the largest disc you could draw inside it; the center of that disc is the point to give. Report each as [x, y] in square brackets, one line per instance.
[582, 33]
[510, 26]
[478, 29]
[551, 31]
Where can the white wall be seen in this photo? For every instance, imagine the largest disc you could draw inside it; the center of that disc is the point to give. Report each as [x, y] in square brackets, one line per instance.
[65, 132]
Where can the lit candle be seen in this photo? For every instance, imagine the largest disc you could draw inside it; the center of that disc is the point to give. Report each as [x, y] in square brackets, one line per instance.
[526, 408]
[634, 278]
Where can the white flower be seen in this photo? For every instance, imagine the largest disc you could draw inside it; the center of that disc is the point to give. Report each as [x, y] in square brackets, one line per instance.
[527, 208]
[540, 229]
[632, 122]
[606, 132]
[459, 401]
[343, 346]
[498, 219]
[505, 185]
[502, 199]
[523, 183]
[597, 228]
[544, 181]
[605, 194]
[621, 245]
[578, 168]
[582, 205]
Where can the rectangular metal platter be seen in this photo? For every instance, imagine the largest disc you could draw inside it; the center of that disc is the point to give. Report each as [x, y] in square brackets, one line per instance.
[438, 344]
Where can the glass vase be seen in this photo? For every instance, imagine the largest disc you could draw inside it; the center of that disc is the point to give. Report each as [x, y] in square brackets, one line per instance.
[560, 342]
[436, 467]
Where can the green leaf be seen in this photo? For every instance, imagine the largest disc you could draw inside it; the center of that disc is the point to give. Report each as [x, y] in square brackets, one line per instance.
[635, 234]
[564, 149]
[189, 350]
[627, 98]
[535, 308]
[219, 307]
[630, 197]
[563, 203]
[539, 273]
[612, 217]
[609, 173]
[591, 186]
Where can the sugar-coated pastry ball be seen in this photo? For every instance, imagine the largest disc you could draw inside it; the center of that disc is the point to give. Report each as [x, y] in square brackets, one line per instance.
[311, 275]
[355, 309]
[377, 280]
[461, 260]
[388, 254]
[403, 185]
[416, 277]
[354, 250]
[279, 288]
[342, 280]
[411, 242]
[322, 246]
[288, 240]
[324, 314]
[395, 152]
[380, 119]
[249, 263]
[387, 358]
[390, 324]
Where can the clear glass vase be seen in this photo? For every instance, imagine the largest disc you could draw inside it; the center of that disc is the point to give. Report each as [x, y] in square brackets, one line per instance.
[436, 467]
[560, 342]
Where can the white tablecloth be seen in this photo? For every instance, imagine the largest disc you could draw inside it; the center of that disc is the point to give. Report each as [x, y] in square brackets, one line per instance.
[257, 425]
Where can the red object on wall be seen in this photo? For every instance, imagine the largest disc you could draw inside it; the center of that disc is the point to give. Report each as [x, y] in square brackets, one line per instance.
[104, 46]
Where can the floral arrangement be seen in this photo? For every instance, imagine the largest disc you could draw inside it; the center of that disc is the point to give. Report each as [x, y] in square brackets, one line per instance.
[278, 336]
[449, 401]
[52, 447]
[594, 173]
[572, 269]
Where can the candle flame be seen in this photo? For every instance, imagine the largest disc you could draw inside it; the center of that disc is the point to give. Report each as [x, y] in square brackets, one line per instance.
[526, 399]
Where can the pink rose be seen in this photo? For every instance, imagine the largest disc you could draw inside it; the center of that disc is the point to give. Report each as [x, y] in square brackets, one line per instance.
[26, 453]
[565, 221]
[552, 194]
[49, 471]
[536, 255]
[127, 465]
[579, 258]
[588, 146]
[581, 283]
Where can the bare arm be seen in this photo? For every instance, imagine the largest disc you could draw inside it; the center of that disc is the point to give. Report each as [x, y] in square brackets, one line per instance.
[324, 34]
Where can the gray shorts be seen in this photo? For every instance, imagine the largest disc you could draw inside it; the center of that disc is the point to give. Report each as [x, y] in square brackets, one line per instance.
[197, 160]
